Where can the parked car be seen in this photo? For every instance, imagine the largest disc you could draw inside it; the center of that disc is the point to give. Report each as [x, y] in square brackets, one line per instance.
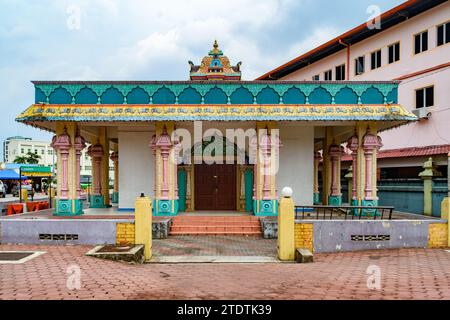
[2, 189]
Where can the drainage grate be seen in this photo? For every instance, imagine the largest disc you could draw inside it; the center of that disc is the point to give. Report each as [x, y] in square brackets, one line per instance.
[18, 257]
[380, 237]
[58, 237]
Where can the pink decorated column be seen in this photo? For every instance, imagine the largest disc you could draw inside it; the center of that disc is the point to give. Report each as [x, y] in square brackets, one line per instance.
[253, 144]
[96, 153]
[266, 146]
[177, 148]
[80, 144]
[371, 144]
[353, 145]
[153, 148]
[62, 144]
[335, 153]
[164, 144]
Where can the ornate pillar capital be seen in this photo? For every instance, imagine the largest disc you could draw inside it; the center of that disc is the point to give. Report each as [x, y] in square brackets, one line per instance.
[61, 142]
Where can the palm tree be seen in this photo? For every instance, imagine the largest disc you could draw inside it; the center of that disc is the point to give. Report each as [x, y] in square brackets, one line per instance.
[29, 158]
[20, 159]
[33, 158]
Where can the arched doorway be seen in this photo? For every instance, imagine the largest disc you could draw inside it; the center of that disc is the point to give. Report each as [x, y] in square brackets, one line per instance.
[205, 185]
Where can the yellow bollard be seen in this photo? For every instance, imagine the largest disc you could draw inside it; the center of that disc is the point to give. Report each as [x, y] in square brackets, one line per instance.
[286, 225]
[445, 208]
[143, 224]
[52, 197]
[24, 193]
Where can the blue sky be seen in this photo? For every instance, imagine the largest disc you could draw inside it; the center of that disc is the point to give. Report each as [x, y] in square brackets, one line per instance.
[153, 40]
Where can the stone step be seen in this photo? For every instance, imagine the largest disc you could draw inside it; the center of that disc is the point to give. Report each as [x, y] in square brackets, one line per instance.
[216, 228]
[188, 218]
[216, 225]
[216, 233]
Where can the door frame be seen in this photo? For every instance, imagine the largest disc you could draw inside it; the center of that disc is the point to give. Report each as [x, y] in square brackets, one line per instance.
[236, 186]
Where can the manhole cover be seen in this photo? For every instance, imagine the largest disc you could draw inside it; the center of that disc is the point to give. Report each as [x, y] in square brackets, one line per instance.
[17, 257]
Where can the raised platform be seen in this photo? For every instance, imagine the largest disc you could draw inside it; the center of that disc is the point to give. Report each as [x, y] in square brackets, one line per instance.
[95, 227]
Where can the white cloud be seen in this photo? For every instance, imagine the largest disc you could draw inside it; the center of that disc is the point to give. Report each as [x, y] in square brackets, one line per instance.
[141, 39]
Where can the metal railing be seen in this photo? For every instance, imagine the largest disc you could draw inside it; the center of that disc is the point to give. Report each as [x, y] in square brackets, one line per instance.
[343, 212]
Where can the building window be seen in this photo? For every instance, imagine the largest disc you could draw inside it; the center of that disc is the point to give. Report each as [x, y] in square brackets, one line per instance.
[394, 52]
[22, 151]
[375, 59]
[316, 77]
[421, 42]
[359, 65]
[49, 151]
[340, 72]
[425, 97]
[443, 34]
[328, 75]
[42, 151]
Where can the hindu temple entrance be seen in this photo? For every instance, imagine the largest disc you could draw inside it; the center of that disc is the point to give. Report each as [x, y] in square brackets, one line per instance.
[215, 186]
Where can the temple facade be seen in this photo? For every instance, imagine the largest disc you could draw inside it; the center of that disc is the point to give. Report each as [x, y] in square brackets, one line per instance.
[215, 142]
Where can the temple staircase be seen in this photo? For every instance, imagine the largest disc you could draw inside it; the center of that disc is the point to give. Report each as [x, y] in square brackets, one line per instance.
[216, 225]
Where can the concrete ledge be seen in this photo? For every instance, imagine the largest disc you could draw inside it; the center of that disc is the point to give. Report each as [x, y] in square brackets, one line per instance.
[269, 226]
[134, 254]
[213, 259]
[353, 235]
[161, 228]
[303, 256]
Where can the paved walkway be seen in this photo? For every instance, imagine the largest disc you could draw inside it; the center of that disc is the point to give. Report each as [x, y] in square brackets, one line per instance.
[405, 274]
[215, 246]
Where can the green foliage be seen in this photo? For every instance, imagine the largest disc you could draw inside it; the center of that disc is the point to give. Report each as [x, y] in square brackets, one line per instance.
[29, 158]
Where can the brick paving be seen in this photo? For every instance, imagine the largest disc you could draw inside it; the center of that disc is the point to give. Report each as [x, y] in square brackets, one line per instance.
[405, 274]
[215, 246]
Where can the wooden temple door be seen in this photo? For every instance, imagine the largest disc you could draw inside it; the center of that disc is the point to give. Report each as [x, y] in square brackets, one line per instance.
[215, 187]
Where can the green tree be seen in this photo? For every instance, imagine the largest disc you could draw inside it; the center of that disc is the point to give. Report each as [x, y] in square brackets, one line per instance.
[29, 158]
[20, 159]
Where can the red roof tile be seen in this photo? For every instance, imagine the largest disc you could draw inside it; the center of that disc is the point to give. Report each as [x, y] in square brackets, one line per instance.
[409, 152]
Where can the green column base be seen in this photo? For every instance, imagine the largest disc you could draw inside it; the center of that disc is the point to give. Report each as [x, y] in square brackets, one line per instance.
[335, 201]
[355, 203]
[266, 208]
[370, 212]
[97, 201]
[165, 207]
[316, 198]
[115, 197]
[68, 207]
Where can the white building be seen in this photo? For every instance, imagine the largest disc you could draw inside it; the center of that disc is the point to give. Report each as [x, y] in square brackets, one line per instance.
[14, 147]
[412, 46]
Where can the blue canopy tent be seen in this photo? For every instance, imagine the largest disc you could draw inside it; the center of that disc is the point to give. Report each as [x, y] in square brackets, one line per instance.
[10, 174]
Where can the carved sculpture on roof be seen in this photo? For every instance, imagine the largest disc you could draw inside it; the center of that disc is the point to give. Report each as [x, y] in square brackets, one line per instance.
[215, 66]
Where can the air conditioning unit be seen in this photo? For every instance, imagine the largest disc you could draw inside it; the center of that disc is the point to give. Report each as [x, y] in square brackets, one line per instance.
[422, 113]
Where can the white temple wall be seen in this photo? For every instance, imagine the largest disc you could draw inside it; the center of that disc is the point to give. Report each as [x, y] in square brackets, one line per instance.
[297, 163]
[136, 167]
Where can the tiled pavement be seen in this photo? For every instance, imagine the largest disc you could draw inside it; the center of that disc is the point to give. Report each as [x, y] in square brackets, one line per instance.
[215, 246]
[405, 274]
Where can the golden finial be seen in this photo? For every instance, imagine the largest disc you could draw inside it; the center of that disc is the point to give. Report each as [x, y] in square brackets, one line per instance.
[216, 45]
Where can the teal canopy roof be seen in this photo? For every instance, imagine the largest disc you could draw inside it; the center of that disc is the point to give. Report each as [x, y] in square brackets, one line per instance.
[214, 92]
